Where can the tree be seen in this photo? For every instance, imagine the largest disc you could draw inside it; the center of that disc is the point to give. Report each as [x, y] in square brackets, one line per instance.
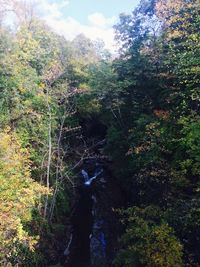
[147, 243]
[21, 197]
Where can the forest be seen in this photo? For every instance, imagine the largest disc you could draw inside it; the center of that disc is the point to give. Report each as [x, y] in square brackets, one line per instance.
[100, 153]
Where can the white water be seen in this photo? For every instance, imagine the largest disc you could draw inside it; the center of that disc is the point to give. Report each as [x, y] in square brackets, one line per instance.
[85, 175]
[89, 180]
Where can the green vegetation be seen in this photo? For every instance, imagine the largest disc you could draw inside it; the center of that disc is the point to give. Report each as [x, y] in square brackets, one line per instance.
[148, 100]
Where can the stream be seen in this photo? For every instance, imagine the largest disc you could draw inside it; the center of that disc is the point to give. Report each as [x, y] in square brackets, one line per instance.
[87, 243]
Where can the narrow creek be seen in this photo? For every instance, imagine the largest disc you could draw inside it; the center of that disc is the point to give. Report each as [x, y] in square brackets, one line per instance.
[94, 226]
[87, 242]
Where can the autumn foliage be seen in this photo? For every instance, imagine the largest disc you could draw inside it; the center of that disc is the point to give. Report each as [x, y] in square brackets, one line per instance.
[20, 196]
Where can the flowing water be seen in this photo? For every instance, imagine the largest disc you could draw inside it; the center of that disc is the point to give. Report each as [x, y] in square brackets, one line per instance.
[87, 243]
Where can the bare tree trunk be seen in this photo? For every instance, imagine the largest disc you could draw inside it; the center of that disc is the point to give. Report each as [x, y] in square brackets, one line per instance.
[58, 166]
[49, 151]
[59, 176]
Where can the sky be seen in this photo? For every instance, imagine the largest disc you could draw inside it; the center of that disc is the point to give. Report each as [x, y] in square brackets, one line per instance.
[94, 18]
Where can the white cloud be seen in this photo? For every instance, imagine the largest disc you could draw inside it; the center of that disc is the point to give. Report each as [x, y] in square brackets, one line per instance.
[53, 10]
[98, 19]
[25, 8]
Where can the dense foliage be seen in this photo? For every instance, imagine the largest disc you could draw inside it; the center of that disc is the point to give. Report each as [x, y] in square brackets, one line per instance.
[39, 77]
[147, 99]
[159, 68]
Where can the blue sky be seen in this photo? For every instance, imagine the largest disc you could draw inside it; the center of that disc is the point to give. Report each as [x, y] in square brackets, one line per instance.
[93, 18]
